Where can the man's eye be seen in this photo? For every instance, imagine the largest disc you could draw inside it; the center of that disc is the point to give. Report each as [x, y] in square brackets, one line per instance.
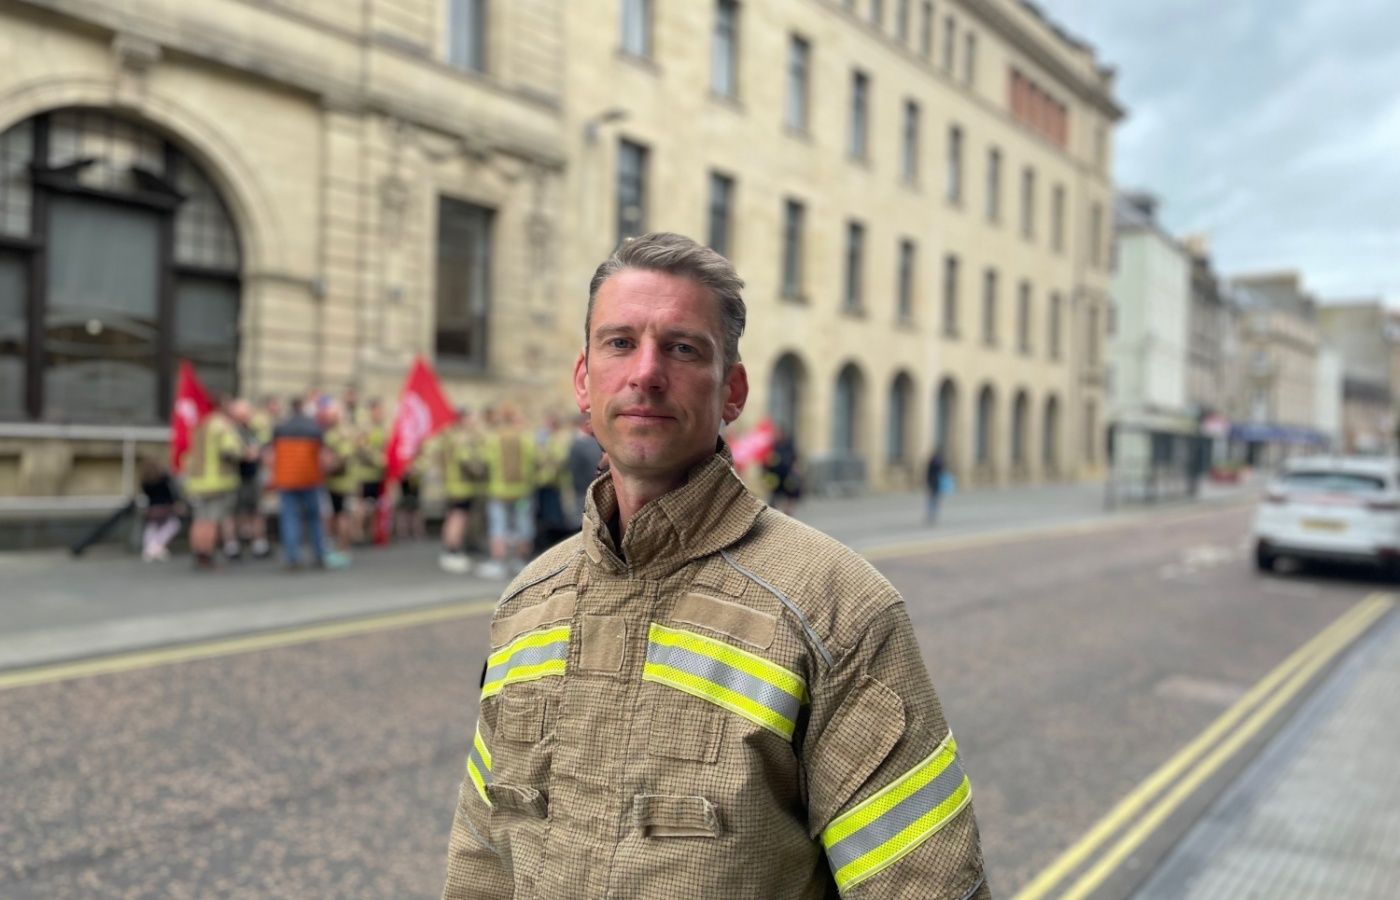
[618, 343]
[685, 349]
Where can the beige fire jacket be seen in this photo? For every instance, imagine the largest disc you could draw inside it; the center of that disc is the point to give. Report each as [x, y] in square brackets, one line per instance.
[732, 707]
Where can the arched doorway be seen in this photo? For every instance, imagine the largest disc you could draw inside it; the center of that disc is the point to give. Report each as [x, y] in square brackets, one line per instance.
[986, 426]
[847, 408]
[118, 258]
[1050, 439]
[787, 388]
[1020, 413]
[945, 419]
[897, 449]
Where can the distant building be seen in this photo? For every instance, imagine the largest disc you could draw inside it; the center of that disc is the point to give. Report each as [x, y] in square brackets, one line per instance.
[1364, 334]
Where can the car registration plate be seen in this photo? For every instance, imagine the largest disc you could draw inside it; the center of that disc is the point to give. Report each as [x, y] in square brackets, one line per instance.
[1324, 525]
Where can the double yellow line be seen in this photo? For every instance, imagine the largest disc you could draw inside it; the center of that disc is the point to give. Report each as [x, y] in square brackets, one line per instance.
[1136, 816]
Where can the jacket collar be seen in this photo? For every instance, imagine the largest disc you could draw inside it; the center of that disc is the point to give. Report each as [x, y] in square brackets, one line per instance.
[712, 510]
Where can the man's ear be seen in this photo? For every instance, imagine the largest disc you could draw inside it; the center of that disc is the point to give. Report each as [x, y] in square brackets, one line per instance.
[736, 392]
[581, 381]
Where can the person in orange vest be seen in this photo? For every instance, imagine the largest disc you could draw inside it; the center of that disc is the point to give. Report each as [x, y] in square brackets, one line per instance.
[298, 475]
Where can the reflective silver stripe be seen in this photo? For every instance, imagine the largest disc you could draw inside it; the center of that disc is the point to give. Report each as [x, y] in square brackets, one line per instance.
[897, 818]
[727, 677]
[530, 656]
[481, 767]
[783, 599]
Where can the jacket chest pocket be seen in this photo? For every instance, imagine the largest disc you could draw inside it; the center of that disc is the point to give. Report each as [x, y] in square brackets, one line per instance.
[686, 728]
[521, 718]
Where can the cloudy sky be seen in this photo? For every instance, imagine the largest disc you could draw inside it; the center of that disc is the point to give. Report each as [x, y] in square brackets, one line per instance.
[1274, 127]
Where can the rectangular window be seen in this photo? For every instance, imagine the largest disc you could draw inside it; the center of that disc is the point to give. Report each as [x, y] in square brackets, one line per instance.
[909, 166]
[1028, 203]
[901, 22]
[993, 185]
[907, 263]
[989, 307]
[1092, 326]
[855, 264]
[798, 87]
[950, 296]
[636, 27]
[631, 189]
[1095, 234]
[721, 212]
[793, 215]
[463, 282]
[970, 59]
[877, 13]
[1057, 219]
[466, 34]
[860, 113]
[954, 164]
[1054, 324]
[1023, 318]
[950, 41]
[926, 31]
[724, 74]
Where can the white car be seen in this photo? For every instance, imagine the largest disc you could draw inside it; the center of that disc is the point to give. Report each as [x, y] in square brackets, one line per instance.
[1332, 508]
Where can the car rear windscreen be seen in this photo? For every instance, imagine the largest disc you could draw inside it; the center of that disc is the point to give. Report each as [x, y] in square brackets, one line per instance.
[1343, 482]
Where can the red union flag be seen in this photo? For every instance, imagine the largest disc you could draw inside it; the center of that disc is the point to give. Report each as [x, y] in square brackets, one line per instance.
[192, 404]
[423, 411]
[755, 446]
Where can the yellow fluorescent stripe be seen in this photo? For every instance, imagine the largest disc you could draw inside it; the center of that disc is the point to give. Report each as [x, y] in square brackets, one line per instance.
[524, 673]
[890, 796]
[477, 780]
[721, 696]
[902, 844]
[481, 748]
[533, 639]
[760, 668]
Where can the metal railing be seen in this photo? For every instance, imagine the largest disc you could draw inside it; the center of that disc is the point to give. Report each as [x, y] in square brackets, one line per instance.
[128, 436]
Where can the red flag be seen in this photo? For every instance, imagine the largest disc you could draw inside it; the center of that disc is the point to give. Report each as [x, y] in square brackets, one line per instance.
[423, 411]
[755, 446]
[192, 404]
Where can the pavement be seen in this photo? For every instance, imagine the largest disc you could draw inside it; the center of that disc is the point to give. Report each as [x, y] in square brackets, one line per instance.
[1317, 813]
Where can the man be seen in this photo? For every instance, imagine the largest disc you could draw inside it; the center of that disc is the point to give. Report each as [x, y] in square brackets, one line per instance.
[369, 464]
[459, 457]
[509, 457]
[297, 474]
[551, 483]
[584, 456]
[933, 486]
[698, 697]
[255, 433]
[211, 481]
[342, 478]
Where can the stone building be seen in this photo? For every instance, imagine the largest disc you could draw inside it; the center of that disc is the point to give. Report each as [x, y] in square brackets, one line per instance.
[1365, 337]
[305, 192]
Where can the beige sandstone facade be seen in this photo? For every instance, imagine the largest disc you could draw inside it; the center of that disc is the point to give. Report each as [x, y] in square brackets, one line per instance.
[333, 132]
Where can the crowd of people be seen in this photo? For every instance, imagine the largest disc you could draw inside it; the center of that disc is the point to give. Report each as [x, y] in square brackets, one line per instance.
[312, 472]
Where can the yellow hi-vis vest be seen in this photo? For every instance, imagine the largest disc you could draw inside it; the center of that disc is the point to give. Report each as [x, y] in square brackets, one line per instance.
[510, 465]
[463, 469]
[340, 441]
[209, 470]
[369, 456]
[551, 461]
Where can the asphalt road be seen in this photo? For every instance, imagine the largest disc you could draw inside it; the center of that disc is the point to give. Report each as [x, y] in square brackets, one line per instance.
[1070, 667]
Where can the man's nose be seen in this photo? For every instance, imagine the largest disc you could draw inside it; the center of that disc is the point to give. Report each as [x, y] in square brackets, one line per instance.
[648, 368]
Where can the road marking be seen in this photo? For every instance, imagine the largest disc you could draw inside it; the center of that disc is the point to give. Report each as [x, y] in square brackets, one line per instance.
[1293, 674]
[287, 637]
[985, 539]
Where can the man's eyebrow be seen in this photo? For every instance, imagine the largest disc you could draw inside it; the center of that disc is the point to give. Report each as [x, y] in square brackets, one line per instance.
[602, 332]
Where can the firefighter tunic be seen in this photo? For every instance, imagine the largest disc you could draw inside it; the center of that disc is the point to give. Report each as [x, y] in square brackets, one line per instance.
[730, 705]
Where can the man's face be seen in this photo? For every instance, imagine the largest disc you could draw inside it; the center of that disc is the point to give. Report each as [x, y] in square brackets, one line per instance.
[653, 374]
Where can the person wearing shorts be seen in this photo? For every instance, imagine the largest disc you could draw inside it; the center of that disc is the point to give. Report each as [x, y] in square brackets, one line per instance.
[509, 454]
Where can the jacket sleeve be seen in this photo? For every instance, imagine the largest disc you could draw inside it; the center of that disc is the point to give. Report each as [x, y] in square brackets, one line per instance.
[474, 869]
[887, 794]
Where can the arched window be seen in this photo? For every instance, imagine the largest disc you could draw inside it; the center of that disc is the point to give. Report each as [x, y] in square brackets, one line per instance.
[786, 390]
[1020, 411]
[846, 411]
[1050, 441]
[118, 258]
[897, 426]
[986, 423]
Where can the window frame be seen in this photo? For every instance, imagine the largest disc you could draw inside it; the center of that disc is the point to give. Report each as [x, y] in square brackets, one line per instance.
[642, 154]
[797, 107]
[725, 38]
[853, 284]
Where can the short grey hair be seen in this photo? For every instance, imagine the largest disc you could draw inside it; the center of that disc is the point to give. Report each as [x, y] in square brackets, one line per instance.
[676, 254]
